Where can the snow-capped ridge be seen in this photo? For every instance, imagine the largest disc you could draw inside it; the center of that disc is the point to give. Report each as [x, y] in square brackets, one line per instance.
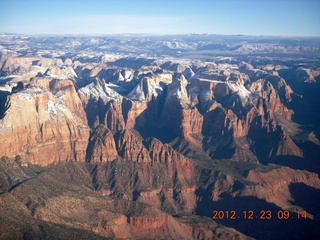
[99, 89]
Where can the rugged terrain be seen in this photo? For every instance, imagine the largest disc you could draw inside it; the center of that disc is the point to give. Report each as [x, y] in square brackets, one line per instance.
[144, 137]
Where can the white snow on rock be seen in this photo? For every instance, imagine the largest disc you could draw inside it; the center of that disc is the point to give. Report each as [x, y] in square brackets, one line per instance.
[209, 80]
[100, 90]
[29, 93]
[53, 108]
[5, 128]
[6, 88]
[239, 89]
[145, 90]
[235, 87]
[177, 89]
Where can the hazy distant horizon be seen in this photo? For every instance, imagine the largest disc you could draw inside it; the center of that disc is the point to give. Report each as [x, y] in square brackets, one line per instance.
[154, 35]
[294, 18]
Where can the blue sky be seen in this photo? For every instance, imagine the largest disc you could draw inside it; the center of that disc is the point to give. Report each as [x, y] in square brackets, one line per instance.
[250, 17]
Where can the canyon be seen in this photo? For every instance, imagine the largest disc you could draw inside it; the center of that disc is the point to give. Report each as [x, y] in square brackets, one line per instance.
[98, 141]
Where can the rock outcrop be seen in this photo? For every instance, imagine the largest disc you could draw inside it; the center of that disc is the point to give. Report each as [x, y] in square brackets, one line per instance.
[162, 153]
[101, 147]
[274, 186]
[130, 146]
[177, 113]
[41, 130]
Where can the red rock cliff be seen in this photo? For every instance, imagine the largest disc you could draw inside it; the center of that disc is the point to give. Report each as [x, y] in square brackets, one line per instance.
[41, 130]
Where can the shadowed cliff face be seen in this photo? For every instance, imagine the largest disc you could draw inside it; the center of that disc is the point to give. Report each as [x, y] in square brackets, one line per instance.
[206, 113]
[148, 148]
[4, 103]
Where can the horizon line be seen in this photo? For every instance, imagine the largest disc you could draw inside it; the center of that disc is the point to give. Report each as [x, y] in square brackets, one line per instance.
[156, 34]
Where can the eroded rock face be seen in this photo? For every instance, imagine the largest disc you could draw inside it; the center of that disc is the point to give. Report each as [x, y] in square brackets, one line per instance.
[13, 62]
[113, 117]
[154, 172]
[178, 114]
[167, 186]
[47, 62]
[270, 100]
[81, 211]
[41, 130]
[131, 111]
[182, 121]
[130, 147]
[213, 103]
[63, 73]
[274, 186]
[101, 147]
[65, 91]
[162, 153]
[102, 105]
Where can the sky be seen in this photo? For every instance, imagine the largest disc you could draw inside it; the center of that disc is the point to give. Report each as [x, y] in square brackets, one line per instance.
[100, 17]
